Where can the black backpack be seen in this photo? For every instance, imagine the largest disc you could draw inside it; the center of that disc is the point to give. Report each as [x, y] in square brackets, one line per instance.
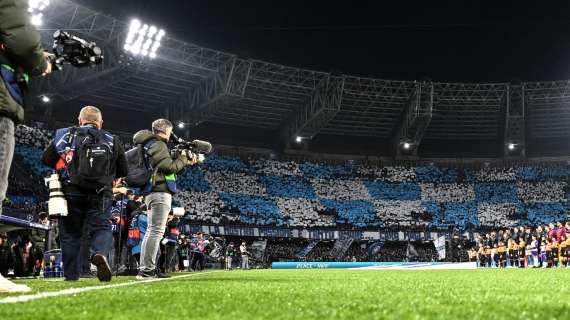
[92, 164]
[140, 170]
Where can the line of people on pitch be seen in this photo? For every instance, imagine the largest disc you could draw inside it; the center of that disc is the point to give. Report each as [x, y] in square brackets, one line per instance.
[544, 246]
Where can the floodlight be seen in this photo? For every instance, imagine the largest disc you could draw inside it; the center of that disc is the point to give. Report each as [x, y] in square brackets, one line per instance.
[298, 139]
[45, 99]
[143, 39]
[511, 146]
[407, 145]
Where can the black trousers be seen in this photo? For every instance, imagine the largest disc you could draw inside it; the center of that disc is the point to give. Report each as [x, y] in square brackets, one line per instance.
[197, 261]
[88, 213]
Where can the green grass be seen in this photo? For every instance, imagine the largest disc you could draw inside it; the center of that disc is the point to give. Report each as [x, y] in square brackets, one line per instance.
[316, 294]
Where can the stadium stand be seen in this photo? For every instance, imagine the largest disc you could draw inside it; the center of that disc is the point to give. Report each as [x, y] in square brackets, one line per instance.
[273, 193]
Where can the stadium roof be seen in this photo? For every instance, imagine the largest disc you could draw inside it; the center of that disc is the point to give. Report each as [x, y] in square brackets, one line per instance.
[229, 97]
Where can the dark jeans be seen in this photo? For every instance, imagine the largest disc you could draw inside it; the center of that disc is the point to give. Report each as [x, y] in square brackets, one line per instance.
[167, 258]
[198, 260]
[94, 212]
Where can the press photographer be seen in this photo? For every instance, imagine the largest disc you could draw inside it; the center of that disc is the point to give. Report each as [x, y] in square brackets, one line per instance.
[161, 186]
[88, 160]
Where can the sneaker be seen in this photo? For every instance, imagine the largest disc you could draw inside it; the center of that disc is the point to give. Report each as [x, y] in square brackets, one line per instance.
[145, 275]
[10, 287]
[103, 270]
[162, 275]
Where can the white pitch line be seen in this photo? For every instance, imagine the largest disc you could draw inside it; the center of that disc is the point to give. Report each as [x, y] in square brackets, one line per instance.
[30, 297]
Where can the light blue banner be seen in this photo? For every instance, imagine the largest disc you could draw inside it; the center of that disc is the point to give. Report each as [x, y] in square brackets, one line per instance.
[372, 265]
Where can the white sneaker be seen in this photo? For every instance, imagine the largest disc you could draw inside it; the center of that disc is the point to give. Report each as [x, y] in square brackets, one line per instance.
[10, 287]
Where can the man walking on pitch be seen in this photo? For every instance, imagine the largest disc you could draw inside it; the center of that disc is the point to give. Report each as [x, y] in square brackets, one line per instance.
[88, 160]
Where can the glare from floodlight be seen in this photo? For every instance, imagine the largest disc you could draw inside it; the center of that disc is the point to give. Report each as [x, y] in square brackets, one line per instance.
[37, 19]
[35, 9]
[298, 139]
[151, 31]
[407, 145]
[143, 39]
[511, 146]
[135, 25]
[180, 125]
[45, 99]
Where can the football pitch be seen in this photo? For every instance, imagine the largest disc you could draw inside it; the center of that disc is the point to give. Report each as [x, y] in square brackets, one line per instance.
[303, 294]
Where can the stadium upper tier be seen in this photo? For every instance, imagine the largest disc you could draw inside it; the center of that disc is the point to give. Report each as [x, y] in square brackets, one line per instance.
[213, 89]
[268, 192]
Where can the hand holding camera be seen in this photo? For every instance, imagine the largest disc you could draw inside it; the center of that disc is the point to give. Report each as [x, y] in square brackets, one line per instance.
[48, 57]
[192, 159]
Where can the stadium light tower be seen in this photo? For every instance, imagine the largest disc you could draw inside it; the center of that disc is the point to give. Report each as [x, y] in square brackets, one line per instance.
[36, 8]
[143, 40]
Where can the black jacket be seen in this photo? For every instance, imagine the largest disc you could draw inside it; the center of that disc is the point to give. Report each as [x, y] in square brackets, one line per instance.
[6, 259]
[22, 49]
[160, 159]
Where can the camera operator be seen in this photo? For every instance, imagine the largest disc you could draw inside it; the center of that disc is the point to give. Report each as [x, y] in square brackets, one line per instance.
[21, 54]
[88, 160]
[161, 188]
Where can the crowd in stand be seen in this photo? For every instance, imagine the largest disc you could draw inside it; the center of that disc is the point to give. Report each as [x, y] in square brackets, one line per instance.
[226, 190]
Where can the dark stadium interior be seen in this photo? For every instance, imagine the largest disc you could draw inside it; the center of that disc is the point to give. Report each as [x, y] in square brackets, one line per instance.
[449, 43]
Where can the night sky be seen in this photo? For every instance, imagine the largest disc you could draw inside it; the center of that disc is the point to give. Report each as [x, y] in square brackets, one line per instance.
[468, 41]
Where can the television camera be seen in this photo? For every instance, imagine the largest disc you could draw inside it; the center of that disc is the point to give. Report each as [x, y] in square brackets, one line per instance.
[198, 147]
[70, 49]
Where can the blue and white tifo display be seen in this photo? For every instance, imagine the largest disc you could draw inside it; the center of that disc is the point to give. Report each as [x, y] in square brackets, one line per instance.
[375, 265]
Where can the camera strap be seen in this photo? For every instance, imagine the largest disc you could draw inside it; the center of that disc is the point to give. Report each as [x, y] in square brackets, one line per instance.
[147, 147]
[71, 136]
